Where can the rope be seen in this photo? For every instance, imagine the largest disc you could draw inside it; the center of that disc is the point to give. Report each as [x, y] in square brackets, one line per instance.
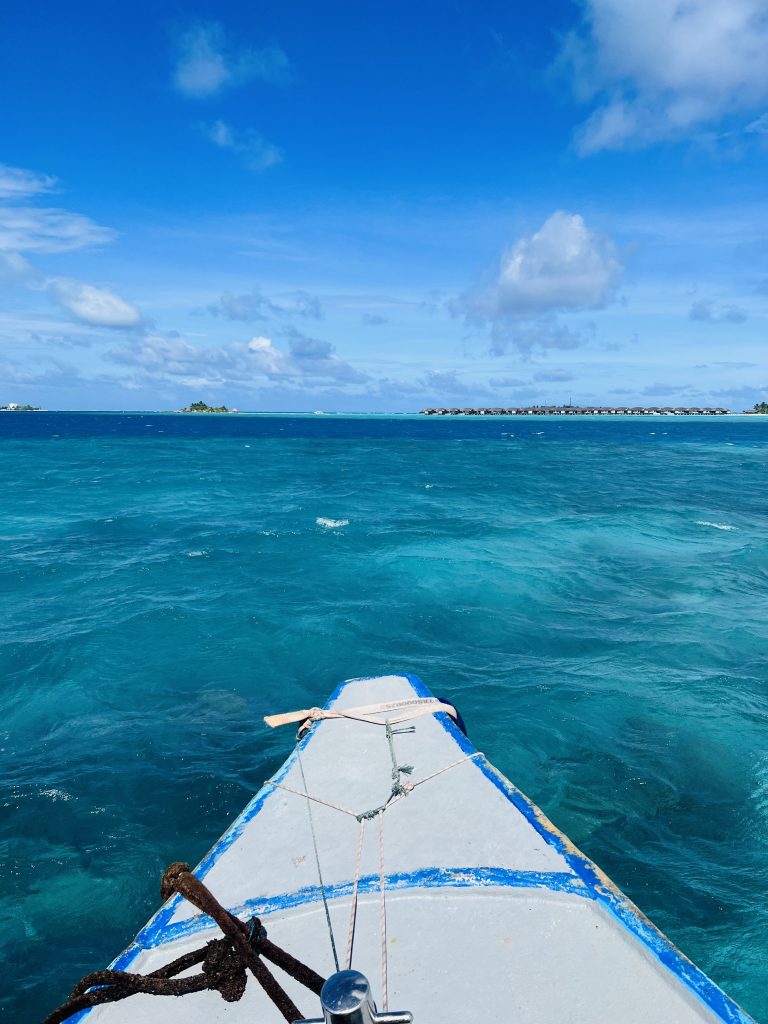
[178, 878]
[317, 861]
[383, 917]
[308, 796]
[224, 961]
[454, 764]
[398, 770]
[404, 790]
[399, 790]
[353, 909]
[412, 707]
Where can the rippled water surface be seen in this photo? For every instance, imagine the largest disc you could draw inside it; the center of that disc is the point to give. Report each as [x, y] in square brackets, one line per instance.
[591, 593]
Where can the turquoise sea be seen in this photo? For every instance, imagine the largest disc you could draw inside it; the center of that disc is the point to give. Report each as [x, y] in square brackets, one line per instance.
[591, 593]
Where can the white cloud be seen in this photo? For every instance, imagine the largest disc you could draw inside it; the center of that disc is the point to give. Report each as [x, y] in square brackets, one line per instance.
[315, 358]
[562, 267]
[306, 305]
[254, 305]
[34, 229]
[31, 229]
[160, 356]
[238, 364]
[448, 382]
[13, 373]
[266, 356]
[247, 307]
[207, 63]
[15, 268]
[98, 307]
[662, 69]
[759, 126]
[527, 336]
[714, 312]
[257, 154]
[41, 229]
[19, 183]
[201, 69]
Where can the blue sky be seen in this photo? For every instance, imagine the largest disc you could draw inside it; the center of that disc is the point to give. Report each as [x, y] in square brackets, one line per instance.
[383, 206]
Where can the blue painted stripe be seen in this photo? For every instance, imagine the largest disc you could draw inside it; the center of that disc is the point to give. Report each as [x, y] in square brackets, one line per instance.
[157, 926]
[425, 878]
[601, 888]
[589, 882]
[122, 963]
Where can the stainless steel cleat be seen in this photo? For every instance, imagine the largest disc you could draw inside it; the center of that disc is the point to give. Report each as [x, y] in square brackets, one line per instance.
[346, 999]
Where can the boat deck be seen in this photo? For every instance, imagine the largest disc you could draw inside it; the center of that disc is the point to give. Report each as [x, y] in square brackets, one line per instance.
[491, 914]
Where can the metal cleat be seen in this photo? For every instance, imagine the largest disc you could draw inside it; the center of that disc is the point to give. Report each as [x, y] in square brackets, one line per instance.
[346, 999]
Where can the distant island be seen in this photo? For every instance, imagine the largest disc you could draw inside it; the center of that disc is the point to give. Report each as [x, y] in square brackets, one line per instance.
[203, 407]
[13, 407]
[576, 410]
[758, 409]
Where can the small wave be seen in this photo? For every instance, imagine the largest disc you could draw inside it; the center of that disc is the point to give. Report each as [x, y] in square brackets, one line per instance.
[716, 526]
[428, 487]
[331, 524]
[56, 794]
[196, 554]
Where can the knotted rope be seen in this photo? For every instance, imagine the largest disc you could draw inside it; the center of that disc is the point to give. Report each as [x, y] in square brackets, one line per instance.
[225, 962]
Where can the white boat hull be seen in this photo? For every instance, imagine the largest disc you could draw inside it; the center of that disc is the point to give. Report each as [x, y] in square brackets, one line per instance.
[492, 915]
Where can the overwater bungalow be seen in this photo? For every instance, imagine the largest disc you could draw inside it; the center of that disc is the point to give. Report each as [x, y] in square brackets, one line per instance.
[572, 410]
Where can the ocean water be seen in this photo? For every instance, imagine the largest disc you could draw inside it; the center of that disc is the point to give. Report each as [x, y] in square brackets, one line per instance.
[591, 593]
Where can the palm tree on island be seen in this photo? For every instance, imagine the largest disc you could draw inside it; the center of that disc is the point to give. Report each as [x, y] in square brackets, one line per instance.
[204, 407]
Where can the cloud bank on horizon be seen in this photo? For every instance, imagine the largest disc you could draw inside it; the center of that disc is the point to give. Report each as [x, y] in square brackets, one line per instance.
[334, 211]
